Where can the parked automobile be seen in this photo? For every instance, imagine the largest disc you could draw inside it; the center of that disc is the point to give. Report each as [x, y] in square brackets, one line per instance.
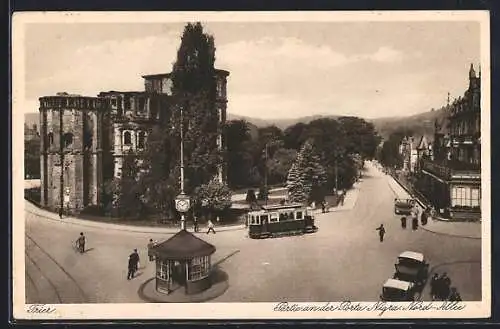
[403, 206]
[411, 266]
[395, 290]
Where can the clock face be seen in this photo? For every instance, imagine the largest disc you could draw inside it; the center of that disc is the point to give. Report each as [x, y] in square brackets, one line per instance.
[183, 205]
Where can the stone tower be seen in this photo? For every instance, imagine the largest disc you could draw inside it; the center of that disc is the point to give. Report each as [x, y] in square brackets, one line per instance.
[71, 150]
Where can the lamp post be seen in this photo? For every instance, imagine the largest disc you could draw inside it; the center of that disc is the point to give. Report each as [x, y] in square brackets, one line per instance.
[182, 200]
[265, 174]
[61, 158]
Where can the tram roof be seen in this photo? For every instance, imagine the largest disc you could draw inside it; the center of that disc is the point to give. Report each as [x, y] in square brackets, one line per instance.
[184, 245]
[286, 206]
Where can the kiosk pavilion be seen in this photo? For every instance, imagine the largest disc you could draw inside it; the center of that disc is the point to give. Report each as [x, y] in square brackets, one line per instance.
[184, 260]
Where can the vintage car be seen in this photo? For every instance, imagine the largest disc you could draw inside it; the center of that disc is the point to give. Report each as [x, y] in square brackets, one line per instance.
[412, 267]
[403, 206]
[395, 290]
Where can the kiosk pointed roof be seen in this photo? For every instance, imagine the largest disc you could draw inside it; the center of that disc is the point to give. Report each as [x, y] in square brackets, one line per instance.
[183, 245]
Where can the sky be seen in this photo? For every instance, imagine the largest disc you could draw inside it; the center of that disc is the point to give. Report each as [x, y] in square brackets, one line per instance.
[277, 69]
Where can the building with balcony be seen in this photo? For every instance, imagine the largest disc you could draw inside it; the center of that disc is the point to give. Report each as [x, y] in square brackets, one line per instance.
[451, 178]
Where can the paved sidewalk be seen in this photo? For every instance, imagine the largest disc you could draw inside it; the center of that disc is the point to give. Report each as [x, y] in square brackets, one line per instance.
[439, 225]
[471, 230]
[31, 208]
[349, 202]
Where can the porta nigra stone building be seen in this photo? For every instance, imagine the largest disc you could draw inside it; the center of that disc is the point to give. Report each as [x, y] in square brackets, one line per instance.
[84, 139]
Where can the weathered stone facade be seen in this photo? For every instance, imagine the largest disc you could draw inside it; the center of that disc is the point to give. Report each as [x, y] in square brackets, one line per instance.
[89, 136]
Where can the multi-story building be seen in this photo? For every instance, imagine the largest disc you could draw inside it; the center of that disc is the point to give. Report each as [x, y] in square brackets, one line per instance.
[84, 139]
[452, 178]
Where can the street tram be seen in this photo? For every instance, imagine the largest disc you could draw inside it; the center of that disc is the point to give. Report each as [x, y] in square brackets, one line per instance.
[279, 220]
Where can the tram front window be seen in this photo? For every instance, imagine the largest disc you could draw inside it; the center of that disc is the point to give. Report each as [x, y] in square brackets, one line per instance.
[298, 215]
[264, 219]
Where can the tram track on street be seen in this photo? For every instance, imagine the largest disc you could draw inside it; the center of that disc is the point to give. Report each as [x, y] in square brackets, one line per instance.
[52, 285]
[66, 275]
[32, 282]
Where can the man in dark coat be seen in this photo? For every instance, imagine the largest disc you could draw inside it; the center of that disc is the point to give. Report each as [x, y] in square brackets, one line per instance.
[423, 217]
[414, 223]
[434, 285]
[381, 232]
[151, 244]
[133, 263]
[403, 222]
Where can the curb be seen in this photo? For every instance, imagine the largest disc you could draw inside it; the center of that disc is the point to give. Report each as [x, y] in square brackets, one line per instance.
[120, 227]
[449, 234]
[433, 218]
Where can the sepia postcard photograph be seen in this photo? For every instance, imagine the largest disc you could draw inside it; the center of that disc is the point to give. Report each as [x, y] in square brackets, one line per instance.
[257, 165]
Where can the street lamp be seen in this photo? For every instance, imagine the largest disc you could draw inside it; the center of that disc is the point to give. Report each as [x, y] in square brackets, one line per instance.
[61, 158]
[182, 203]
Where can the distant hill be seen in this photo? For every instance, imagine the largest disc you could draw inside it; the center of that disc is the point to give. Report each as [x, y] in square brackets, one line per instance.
[280, 123]
[421, 124]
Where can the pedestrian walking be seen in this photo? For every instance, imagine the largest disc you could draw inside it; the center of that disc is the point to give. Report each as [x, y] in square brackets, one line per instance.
[210, 227]
[133, 264]
[323, 207]
[381, 232]
[403, 222]
[414, 225]
[60, 213]
[434, 281]
[423, 217]
[151, 245]
[195, 224]
[80, 243]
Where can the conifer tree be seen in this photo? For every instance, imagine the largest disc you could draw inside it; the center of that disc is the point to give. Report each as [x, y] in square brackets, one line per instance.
[307, 177]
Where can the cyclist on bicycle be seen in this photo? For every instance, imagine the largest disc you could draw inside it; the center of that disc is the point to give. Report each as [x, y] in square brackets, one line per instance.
[80, 243]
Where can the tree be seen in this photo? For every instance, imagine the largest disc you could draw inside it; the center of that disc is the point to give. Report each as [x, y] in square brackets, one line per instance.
[251, 198]
[193, 95]
[32, 158]
[194, 91]
[279, 165]
[361, 136]
[295, 185]
[294, 136]
[126, 189]
[239, 146]
[213, 197]
[307, 177]
[389, 155]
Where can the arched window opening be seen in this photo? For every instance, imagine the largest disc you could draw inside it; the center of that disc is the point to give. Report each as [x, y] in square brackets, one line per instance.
[67, 139]
[127, 138]
[142, 140]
